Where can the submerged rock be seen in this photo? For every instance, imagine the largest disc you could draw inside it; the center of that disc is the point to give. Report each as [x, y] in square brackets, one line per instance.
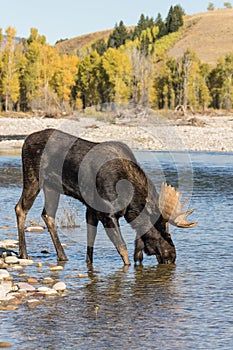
[34, 229]
[48, 280]
[33, 302]
[25, 262]
[4, 344]
[56, 268]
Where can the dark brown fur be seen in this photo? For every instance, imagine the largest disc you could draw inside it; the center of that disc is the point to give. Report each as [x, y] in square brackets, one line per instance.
[106, 178]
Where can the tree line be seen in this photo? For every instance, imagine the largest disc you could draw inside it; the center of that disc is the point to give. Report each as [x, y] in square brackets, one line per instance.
[130, 66]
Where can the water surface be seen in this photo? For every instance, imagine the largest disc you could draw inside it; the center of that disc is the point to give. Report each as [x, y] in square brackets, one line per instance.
[185, 306]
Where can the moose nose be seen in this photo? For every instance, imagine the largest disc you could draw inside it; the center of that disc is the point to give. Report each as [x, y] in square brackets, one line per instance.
[169, 257]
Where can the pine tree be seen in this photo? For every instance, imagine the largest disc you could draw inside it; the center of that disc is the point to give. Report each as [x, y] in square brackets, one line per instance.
[100, 46]
[175, 19]
[210, 6]
[143, 24]
[119, 36]
[161, 25]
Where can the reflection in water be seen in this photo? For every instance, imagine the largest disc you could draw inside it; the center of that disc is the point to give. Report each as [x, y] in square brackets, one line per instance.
[183, 306]
[119, 309]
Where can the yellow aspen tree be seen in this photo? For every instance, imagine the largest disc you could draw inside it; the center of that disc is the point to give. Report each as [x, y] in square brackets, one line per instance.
[33, 80]
[10, 76]
[64, 79]
[39, 70]
[117, 73]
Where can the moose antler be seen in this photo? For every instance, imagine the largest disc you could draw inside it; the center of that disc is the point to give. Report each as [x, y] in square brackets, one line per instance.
[171, 207]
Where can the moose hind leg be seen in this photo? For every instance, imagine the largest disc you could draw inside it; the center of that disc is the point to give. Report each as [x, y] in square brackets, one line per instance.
[112, 228]
[48, 215]
[92, 222]
[21, 209]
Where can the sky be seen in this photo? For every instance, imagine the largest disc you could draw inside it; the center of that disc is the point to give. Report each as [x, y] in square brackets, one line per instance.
[61, 19]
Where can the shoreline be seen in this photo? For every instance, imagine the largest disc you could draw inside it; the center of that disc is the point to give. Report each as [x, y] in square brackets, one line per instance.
[202, 133]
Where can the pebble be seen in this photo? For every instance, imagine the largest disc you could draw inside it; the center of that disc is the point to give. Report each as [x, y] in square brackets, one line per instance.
[56, 268]
[6, 286]
[3, 293]
[48, 280]
[51, 291]
[11, 260]
[4, 274]
[34, 229]
[59, 286]
[33, 302]
[32, 280]
[25, 261]
[47, 291]
[39, 264]
[17, 267]
[4, 344]
[9, 243]
[8, 307]
[43, 289]
[45, 251]
[23, 286]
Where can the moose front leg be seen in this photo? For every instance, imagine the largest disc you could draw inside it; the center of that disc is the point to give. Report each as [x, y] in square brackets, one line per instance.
[138, 254]
[112, 228]
[92, 223]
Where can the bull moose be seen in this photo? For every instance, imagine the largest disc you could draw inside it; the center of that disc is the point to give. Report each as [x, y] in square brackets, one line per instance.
[108, 180]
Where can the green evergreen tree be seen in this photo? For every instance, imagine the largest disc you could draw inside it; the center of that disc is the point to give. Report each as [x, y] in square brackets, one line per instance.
[228, 5]
[143, 24]
[88, 80]
[100, 46]
[210, 6]
[161, 25]
[119, 36]
[175, 19]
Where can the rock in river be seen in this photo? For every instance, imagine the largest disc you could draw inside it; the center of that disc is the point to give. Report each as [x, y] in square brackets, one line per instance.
[11, 260]
[59, 286]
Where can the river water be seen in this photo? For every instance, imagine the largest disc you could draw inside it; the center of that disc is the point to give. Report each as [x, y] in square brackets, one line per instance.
[185, 306]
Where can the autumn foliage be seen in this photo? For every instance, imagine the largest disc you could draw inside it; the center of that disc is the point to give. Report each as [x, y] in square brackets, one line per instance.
[131, 66]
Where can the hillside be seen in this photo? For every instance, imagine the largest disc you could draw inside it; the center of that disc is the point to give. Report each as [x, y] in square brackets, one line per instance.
[209, 34]
[75, 44]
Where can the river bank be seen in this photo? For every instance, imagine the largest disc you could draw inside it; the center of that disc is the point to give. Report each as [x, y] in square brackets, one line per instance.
[202, 133]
